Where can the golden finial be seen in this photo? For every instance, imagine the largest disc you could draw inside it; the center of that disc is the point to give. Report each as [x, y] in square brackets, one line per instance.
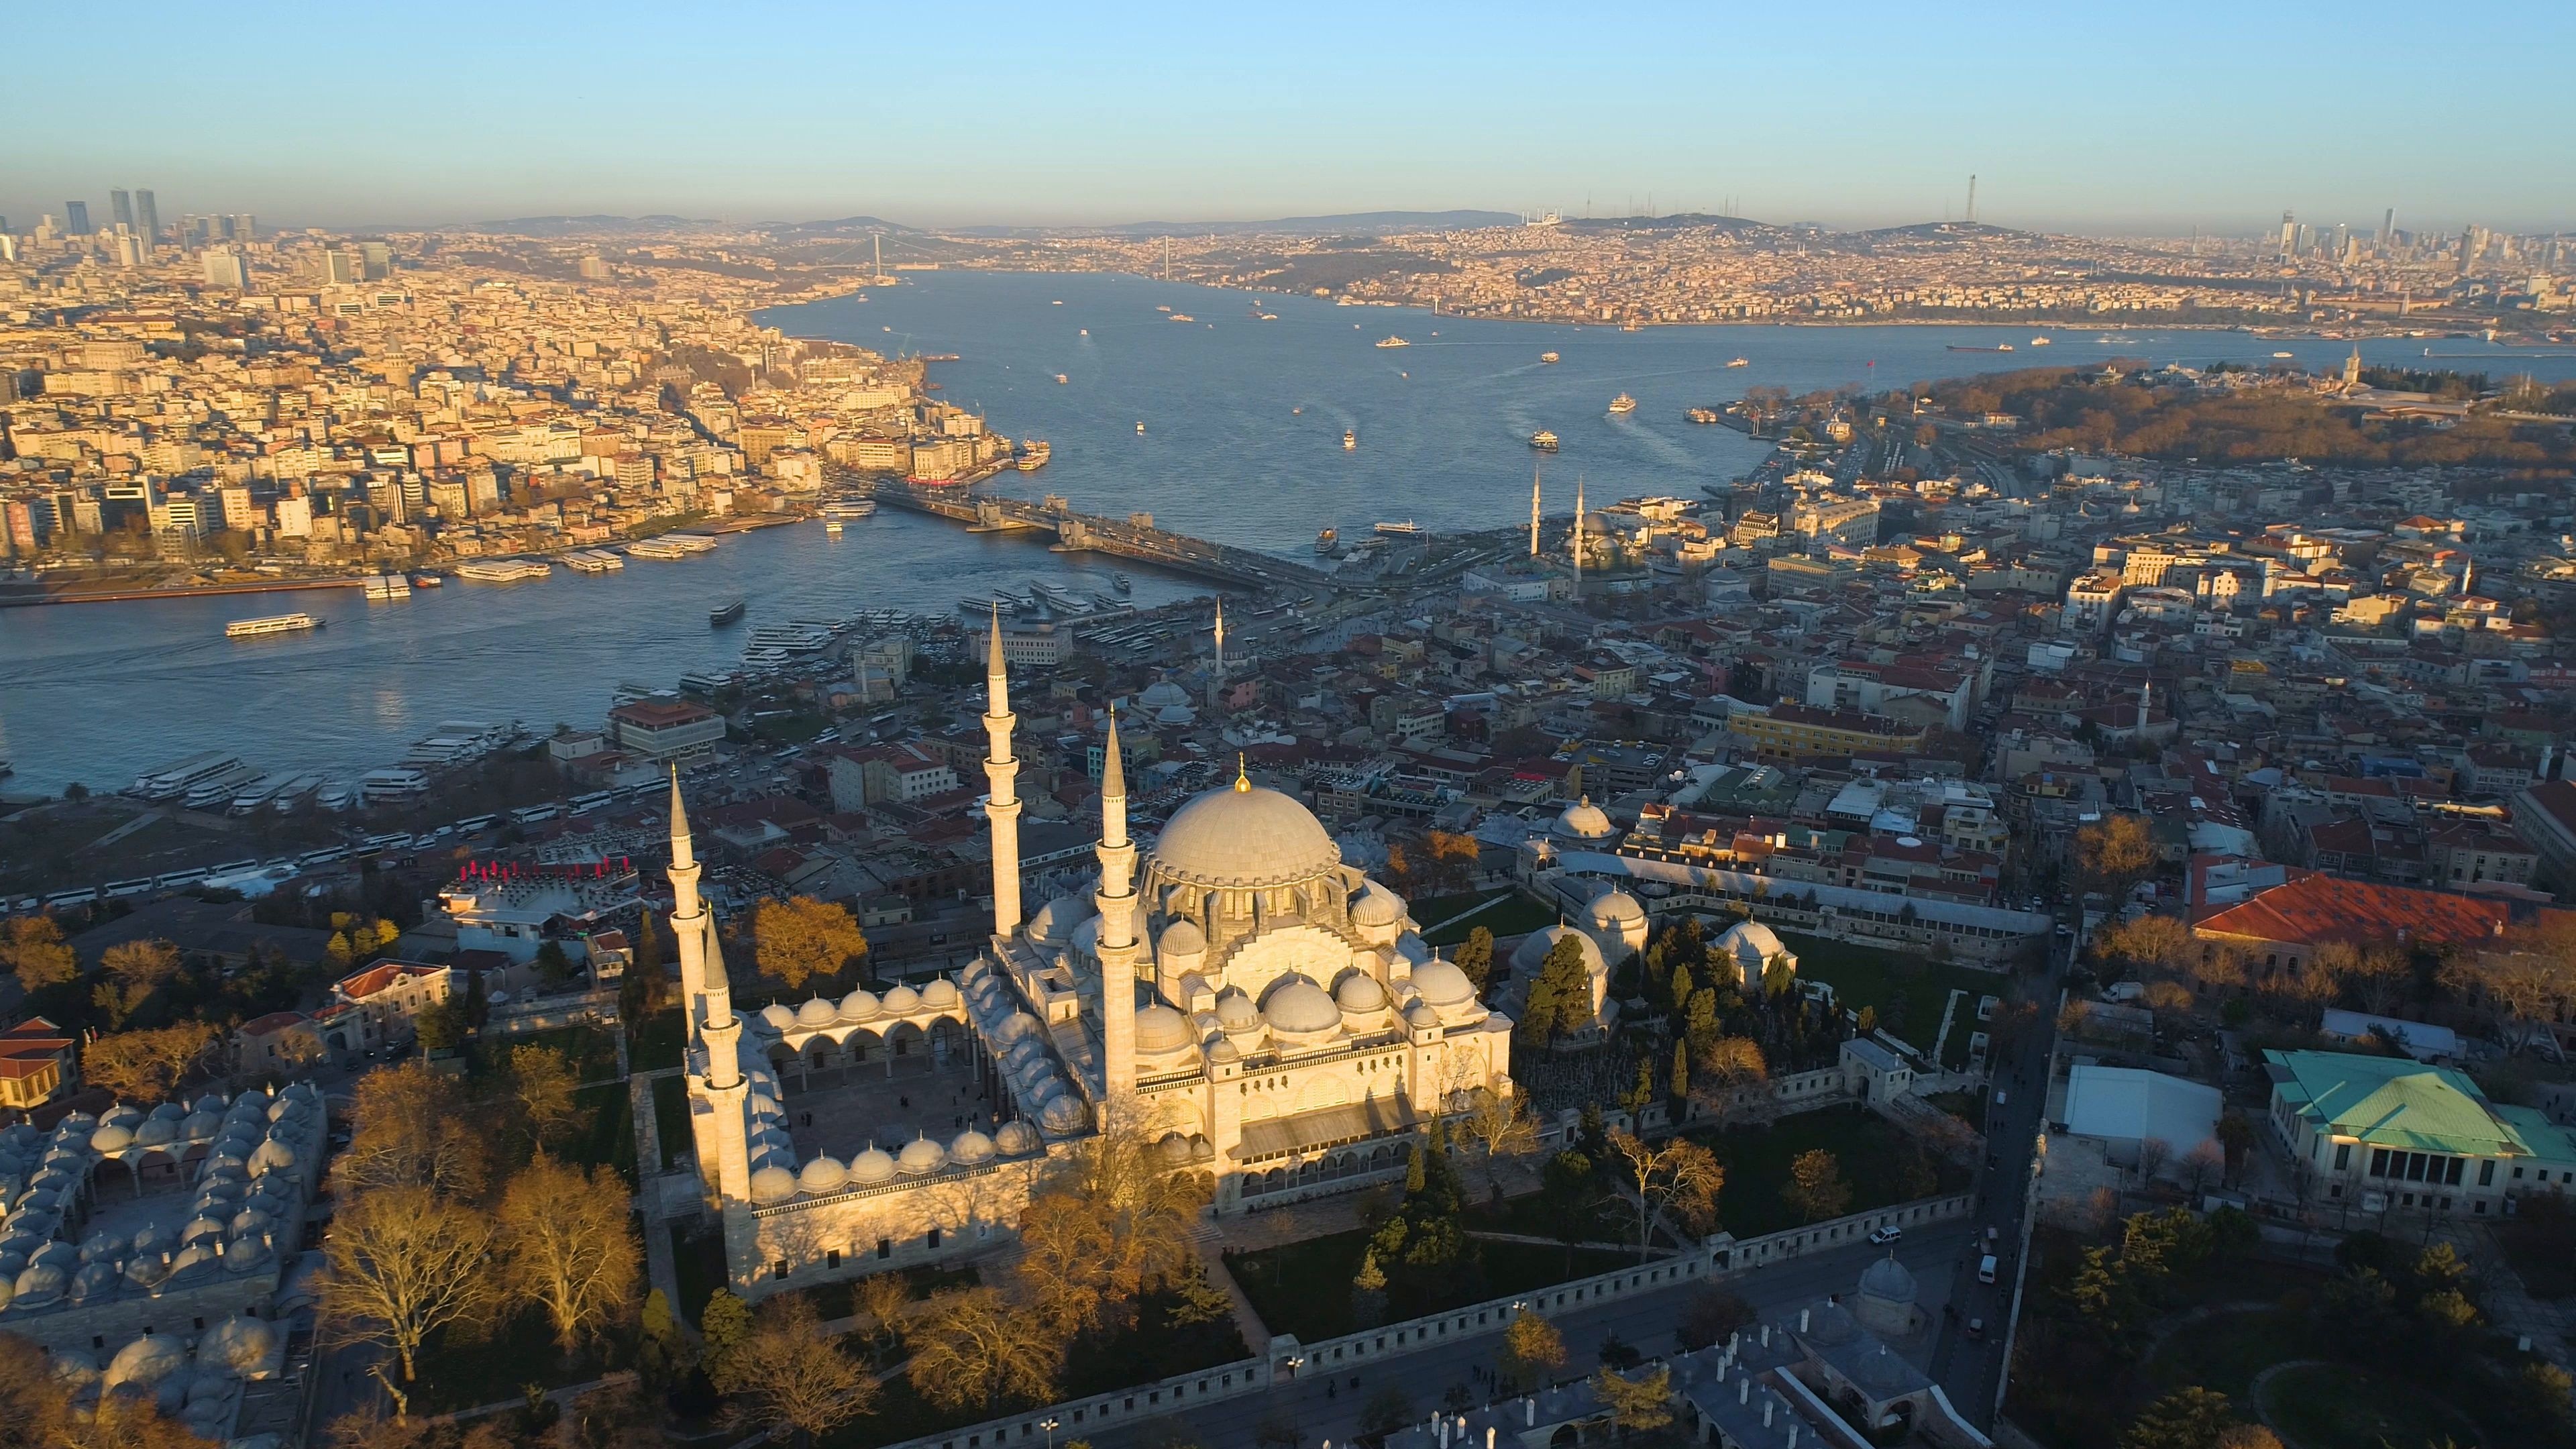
[1242, 777]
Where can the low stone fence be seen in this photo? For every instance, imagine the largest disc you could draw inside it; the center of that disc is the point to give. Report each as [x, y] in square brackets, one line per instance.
[1720, 1257]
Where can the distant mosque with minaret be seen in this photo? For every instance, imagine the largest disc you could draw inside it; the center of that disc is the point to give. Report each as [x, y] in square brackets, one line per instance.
[1266, 1013]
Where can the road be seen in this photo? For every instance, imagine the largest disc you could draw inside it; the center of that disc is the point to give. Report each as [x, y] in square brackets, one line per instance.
[1327, 1407]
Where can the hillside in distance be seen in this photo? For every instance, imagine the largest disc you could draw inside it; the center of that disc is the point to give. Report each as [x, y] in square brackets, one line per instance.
[562, 226]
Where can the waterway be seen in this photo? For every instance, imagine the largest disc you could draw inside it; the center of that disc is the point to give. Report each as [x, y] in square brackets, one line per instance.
[1242, 443]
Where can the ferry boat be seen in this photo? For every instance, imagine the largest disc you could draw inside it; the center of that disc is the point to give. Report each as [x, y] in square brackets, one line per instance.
[1140, 428]
[334, 796]
[1122, 583]
[1327, 540]
[1060, 377]
[254, 797]
[1549, 357]
[1034, 456]
[427, 581]
[831, 528]
[294, 792]
[849, 508]
[388, 586]
[594, 560]
[216, 790]
[1269, 316]
[1623, 404]
[1183, 317]
[1739, 362]
[672, 546]
[1543, 440]
[1350, 439]
[2283, 354]
[176, 779]
[1701, 415]
[728, 612]
[1159, 308]
[1405, 529]
[378, 787]
[270, 624]
[1391, 340]
[502, 570]
[2039, 342]
[796, 637]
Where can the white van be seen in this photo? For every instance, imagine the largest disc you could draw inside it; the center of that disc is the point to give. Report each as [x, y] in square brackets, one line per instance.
[1986, 1269]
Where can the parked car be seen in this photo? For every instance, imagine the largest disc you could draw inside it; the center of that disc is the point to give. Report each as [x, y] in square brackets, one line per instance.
[1986, 1268]
[1887, 1235]
[1976, 1328]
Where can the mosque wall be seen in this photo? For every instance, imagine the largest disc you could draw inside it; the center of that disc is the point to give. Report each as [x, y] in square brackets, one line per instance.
[958, 1214]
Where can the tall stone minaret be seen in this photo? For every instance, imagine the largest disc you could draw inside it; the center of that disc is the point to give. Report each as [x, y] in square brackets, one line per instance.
[1220, 648]
[1003, 772]
[1117, 947]
[708, 996]
[1578, 533]
[1533, 510]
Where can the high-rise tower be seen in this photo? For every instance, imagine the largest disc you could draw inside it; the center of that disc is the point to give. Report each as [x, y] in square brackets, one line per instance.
[76, 218]
[1118, 948]
[1002, 804]
[147, 217]
[120, 204]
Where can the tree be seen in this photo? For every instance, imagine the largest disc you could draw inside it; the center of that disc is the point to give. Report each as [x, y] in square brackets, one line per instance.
[2153, 1154]
[1711, 1315]
[800, 938]
[2205, 1161]
[1475, 957]
[563, 1233]
[1497, 1127]
[541, 1087]
[1637, 1406]
[1729, 1064]
[885, 1300]
[2155, 944]
[1560, 999]
[1387, 1410]
[2189, 1418]
[2236, 1135]
[1681, 1072]
[1105, 1226]
[32, 946]
[147, 1066]
[415, 1129]
[143, 965]
[1454, 858]
[402, 1263]
[2378, 974]
[1368, 1292]
[1681, 1177]
[441, 1026]
[1532, 1352]
[2115, 853]
[725, 1323]
[793, 1376]
[1817, 1187]
[2166, 999]
[973, 1348]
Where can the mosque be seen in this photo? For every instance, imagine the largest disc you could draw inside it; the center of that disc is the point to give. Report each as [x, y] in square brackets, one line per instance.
[1266, 1012]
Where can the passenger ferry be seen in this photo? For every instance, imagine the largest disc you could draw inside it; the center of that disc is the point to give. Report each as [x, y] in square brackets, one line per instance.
[1392, 341]
[1327, 540]
[849, 508]
[388, 586]
[294, 792]
[1549, 357]
[1543, 440]
[270, 624]
[728, 612]
[174, 780]
[1405, 529]
[1350, 438]
[334, 796]
[503, 570]
[250, 799]
[1183, 317]
[378, 787]
[1033, 456]
[1623, 404]
[594, 560]
[831, 528]
[672, 546]
[2039, 342]
[1701, 415]
[216, 790]
[1739, 362]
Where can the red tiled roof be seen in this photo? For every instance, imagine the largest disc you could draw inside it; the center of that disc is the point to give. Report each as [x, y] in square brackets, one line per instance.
[30, 1047]
[2314, 909]
[379, 976]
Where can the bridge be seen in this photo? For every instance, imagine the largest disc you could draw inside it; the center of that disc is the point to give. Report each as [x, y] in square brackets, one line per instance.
[1133, 537]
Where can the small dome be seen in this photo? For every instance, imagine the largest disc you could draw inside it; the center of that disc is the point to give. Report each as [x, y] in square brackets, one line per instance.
[169, 1112]
[816, 1012]
[272, 1156]
[1015, 1026]
[1174, 1149]
[1063, 1115]
[902, 1001]
[1360, 994]
[1235, 1012]
[872, 1166]
[777, 1017]
[94, 1280]
[1299, 1006]
[921, 1155]
[1224, 1051]
[1376, 906]
[1878, 1368]
[772, 1184]
[1584, 820]
[1182, 938]
[1889, 1280]
[1829, 1324]
[75, 1366]
[40, 1284]
[970, 1148]
[146, 1361]
[1160, 1029]
[111, 1137]
[859, 1005]
[823, 1174]
[195, 1261]
[940, 995]
[1443, 985]
[1421, 1017]
[1055, 920]
[201, 1126]
[156, 1132]
[1535, 946]
[1614, 908]
[1017, 1139]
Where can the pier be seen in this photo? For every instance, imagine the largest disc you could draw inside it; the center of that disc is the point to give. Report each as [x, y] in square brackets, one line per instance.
[1133, 537]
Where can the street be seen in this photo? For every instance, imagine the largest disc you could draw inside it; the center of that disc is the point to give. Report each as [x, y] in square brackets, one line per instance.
[1328, 1407]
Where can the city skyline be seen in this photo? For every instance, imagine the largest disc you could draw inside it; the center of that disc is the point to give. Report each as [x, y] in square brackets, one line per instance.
[2201, 127]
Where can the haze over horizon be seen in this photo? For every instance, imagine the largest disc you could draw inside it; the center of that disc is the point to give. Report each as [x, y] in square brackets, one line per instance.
[2074, 121]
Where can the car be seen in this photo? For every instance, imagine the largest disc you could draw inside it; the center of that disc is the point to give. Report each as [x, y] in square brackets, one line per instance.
[1886, 1235]
[1986, 1268]
[1976, 1328]
[1991, 1235]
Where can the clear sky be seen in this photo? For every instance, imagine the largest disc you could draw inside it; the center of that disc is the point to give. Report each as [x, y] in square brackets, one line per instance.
[2130, 117]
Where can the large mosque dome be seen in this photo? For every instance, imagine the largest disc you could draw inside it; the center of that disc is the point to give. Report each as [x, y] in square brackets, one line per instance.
[1243, 836]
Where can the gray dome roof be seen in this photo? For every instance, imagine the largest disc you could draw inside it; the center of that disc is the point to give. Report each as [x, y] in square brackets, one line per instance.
[1830, 1323]
[1243, 836]
[1183, 938]
[1300, 1006]
[1235, 1011]
[1443, 985]
[147, 1360]
[1888, 1279]
[824, 1174]
[859, 1005]
[872, 1166]
[1161, 1029]
[1584, 820]
[921, 1155]
[1614, 908]
[902, 1000]
[1376, 906]
[1017, 1139]
[970, 1148]
[1360, 993]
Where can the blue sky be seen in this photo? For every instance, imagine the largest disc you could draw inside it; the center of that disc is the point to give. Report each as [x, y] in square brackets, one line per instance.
[2080, 117]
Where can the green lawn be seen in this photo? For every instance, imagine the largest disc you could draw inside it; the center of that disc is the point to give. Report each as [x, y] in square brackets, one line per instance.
[589, 1048]
[671, 1118]
[2226, 1352]
[1968, 1107]
[603, 1129]
[657, 1042]
[2332, 1406]
[1874, 1154]
[1515, 917]
[1613, 1220]
[1909, 991]
[698, 1262]
[460, 1372]
[1304, 1288]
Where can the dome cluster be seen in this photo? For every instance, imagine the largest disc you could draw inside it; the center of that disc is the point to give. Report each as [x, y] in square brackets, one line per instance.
[201, 1388]
[862, 1007]
[826, 1174]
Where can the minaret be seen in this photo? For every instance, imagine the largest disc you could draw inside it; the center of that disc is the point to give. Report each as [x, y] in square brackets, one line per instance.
[2468, 578]
[1220, 647]
[1002, 771]
[1578, 534]
[1533, 510]
[2145, 692]
[1117, 947]
[708, 998]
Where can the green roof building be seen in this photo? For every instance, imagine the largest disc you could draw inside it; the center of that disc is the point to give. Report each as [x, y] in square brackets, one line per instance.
[2390, 1133]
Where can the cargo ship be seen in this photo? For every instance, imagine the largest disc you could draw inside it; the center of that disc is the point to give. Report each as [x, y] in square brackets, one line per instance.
[270, 624]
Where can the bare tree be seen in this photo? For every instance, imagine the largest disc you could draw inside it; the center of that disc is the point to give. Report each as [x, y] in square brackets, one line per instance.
[404, 1262]
[2153, 1154]
[541, 1086]
[147, 1066]
[1817, 1187]
[414, 1129]
[2204, 1162]
[794, 1376]
[1497, 1127]
[563, 1232]
[2524, 984]
[973, 1347]
[1681, 1177]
